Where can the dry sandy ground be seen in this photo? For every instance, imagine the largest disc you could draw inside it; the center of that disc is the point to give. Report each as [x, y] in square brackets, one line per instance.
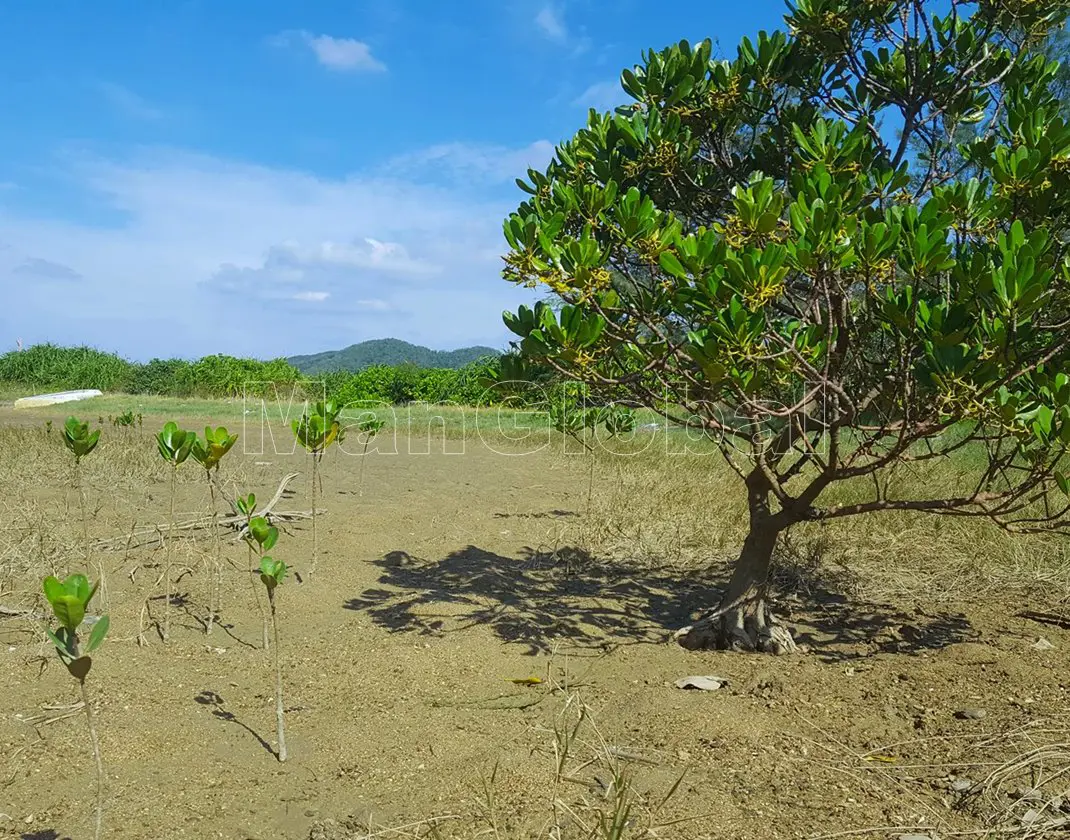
[450, 576]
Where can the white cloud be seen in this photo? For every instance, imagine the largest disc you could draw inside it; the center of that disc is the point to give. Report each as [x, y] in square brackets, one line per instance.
[129, 103]
[471, 164]
[602, 96]
[343, 54]
[211, 255]
[551, 24]
[385, 256]
[550, 21]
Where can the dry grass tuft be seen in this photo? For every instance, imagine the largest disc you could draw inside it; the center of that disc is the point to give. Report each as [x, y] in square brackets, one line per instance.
[1027, 793]
[687, 512]
[594, 790]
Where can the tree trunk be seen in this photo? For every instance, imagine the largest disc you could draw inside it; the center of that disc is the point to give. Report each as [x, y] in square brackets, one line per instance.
[743, 621]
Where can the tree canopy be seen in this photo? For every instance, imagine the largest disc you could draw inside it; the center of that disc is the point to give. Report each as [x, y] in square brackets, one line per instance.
[797, 251]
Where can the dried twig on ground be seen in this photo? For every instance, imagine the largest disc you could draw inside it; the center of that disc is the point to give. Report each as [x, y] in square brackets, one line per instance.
[235, 522]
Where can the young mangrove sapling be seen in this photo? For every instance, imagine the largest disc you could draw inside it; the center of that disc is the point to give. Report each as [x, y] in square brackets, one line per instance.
[368, 429]
[208, 454]
[316, 431]
[70, 600]
[80, 441]
[271, 574]
[574, 421]
[175, 445]
[264, 536]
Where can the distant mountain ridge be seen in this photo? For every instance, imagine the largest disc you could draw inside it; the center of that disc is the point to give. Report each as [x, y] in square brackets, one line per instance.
[388, 351]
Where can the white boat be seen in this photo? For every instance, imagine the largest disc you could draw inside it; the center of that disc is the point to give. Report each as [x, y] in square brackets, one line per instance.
[40, 400]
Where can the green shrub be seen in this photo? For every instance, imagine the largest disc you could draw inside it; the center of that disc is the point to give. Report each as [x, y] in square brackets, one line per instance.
[401, 384]
[163, 377]
[229, 376]
[48, 367]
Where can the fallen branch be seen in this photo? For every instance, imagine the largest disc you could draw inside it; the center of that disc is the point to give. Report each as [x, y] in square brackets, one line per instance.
[235, 521]
[270, 506]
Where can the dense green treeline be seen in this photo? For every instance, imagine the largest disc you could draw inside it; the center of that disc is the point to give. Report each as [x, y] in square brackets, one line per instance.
[47, 367]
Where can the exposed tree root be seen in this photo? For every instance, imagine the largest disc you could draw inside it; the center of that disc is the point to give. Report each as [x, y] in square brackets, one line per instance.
[741, 627]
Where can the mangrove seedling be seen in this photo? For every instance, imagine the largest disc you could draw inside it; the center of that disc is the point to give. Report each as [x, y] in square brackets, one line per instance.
[263, 536]
[271, 574]
[124, 420]
[316, 431]
[368, 429]
[619, 420]
[80, 441]
[574, 421]
[175, 445]
[70, 600]
[208, 453]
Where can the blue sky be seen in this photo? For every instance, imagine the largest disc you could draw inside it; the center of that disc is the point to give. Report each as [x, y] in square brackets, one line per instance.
[267, 178]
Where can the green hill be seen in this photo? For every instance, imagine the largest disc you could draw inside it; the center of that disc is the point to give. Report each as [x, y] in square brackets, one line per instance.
[387, 351]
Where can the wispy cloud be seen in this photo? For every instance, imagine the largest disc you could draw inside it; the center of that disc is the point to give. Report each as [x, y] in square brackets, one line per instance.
[128, 103]
[312, 297]
[342, 54]
[550, 21]
[388, 257]
[471, 163]
[42, 269]
[312, 262]
[602, 96]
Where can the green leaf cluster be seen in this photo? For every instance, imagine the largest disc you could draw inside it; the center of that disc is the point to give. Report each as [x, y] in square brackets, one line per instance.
[217, 443]
[69, 600]
[78, 439]
[319, 427]
[370, 427]
[272, 572]
[175, 444]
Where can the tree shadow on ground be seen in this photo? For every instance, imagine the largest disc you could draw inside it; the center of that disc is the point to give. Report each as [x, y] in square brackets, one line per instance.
[540, 598]
[44, 834]
[1046, 618]
[836, 628]
[531, 600]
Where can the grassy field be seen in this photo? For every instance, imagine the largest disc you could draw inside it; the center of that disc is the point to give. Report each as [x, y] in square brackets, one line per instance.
[460, 566]
[524, 428]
